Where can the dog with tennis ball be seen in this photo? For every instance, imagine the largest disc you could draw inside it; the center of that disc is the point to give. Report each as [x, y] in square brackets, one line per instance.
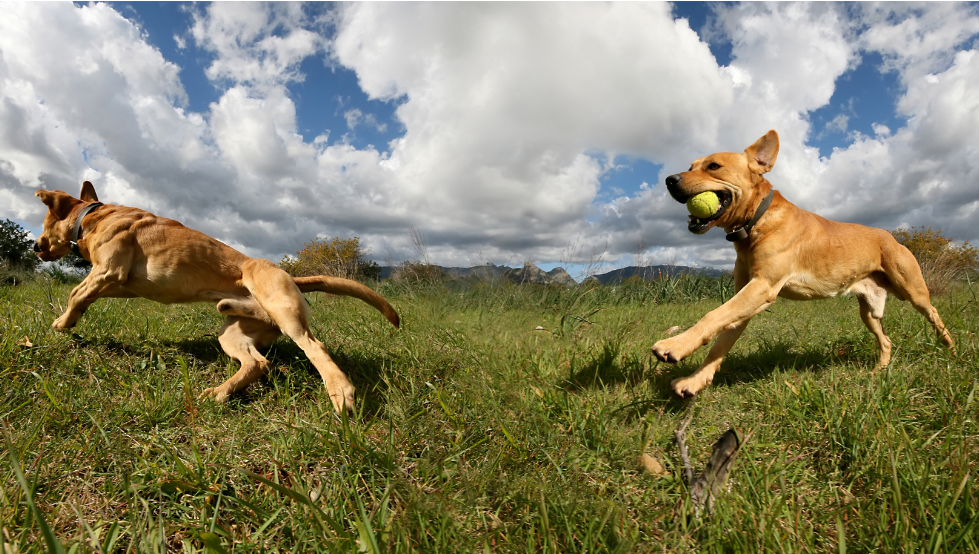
[137, 254]
[784, 251]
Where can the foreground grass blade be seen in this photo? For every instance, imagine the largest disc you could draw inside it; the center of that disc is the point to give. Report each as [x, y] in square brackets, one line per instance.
[54, 546]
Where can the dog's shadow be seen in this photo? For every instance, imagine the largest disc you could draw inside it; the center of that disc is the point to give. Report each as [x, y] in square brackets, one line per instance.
[289, 368]
[608, 367]
[291, 372]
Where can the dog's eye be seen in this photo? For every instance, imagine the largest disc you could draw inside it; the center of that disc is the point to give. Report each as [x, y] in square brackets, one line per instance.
[713, 166]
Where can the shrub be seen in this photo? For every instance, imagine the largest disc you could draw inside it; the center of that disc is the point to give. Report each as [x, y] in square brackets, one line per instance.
[13, 275]
[942, 262]
[16, 249]
[418, 272]
[337, 257]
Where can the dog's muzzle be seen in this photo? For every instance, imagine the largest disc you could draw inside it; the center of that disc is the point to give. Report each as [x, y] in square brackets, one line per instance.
[37, 247]
[695, 225]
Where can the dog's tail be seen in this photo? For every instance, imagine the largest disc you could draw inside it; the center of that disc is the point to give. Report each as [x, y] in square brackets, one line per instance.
[347, 287]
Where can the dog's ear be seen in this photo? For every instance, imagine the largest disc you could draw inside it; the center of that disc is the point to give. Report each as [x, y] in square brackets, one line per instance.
[88, 192]
[761, 155]
[59, 203]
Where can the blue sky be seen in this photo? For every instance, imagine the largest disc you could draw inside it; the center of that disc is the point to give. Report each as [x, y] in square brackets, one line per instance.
[503, 132]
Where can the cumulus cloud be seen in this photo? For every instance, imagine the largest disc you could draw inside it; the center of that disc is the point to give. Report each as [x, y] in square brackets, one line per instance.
[254, 43]
[87, 85]
[512, 114]
[925, 173]
[503, 103]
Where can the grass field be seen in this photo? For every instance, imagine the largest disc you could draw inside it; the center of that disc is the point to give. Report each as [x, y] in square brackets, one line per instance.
[478, 432]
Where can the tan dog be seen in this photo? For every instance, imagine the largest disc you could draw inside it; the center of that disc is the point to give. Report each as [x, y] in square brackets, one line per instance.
[137, 254]
[789, 252]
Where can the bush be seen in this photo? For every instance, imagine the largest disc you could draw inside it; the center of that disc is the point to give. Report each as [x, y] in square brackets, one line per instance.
[942, 263]
[64, 273]
[13, 275]
[337, 257]
[418, 272]
[16, 249]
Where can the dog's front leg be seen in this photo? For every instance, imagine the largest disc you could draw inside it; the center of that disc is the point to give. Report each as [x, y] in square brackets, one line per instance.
[104, 280]
[696, 381]
[81, 297]
[757, 295]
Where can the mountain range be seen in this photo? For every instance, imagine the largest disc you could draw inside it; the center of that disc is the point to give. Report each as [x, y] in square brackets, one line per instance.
[530, 273]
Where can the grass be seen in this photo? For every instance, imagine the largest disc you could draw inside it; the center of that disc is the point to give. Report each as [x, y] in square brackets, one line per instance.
[479, 432]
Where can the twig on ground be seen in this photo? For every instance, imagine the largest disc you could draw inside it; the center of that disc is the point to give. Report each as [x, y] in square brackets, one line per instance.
[681, 437]
[708, 484]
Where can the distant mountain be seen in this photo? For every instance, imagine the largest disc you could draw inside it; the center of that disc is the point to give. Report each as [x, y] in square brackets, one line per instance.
[530, 273]
[652, 272]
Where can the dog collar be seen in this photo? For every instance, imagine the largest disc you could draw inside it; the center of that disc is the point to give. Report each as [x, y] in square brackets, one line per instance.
[742, 232]
[76, 233]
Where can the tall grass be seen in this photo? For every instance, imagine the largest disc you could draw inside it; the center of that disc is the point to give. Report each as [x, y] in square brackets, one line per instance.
[500, 419]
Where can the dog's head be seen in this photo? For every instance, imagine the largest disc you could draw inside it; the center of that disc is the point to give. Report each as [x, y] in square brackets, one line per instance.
[734, 177]
[63, 209]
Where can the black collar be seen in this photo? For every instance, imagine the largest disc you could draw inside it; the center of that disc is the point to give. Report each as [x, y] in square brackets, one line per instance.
[742, 232]
[76, 233]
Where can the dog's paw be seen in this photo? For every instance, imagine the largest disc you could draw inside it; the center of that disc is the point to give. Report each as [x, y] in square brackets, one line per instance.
[343, 403]
[688, 387]
[62, 324]
[215, 394]
[341, 394]
[666, 351]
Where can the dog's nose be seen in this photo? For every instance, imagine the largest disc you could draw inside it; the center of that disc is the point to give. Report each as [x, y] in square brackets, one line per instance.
[673, 186]
[37, 247]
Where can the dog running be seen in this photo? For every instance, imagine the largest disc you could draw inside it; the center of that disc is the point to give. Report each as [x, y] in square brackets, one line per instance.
[783, 250]
[137, 254]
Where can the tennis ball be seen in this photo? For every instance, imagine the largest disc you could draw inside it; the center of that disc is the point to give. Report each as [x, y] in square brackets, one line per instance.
[703, 205]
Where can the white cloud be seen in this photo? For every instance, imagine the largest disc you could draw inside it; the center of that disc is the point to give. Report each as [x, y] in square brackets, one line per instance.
[353, 117]
[925, 173]
[87, 85]
[914, 39]
[507, 110]
[255, 44]
[838, 123]
[503, 100]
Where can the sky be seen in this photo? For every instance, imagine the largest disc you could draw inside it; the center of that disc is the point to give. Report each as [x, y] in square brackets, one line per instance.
[497, 132]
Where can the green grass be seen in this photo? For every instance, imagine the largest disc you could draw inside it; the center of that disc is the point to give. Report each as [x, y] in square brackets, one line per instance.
[477, 432]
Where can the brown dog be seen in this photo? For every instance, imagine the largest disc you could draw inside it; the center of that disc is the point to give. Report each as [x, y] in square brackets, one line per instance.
[786, 251]
[137, 254]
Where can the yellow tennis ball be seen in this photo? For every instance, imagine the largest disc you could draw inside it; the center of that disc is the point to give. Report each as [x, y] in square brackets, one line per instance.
[703, 205]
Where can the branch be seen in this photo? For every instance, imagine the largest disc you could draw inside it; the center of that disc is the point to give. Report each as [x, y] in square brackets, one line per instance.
[707, 485]
[680, 436]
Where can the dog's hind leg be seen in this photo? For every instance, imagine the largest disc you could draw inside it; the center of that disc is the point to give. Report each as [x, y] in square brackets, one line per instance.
[907, 283]
[279, 296]
[872, 297]
[242, 338]
[243, 307]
